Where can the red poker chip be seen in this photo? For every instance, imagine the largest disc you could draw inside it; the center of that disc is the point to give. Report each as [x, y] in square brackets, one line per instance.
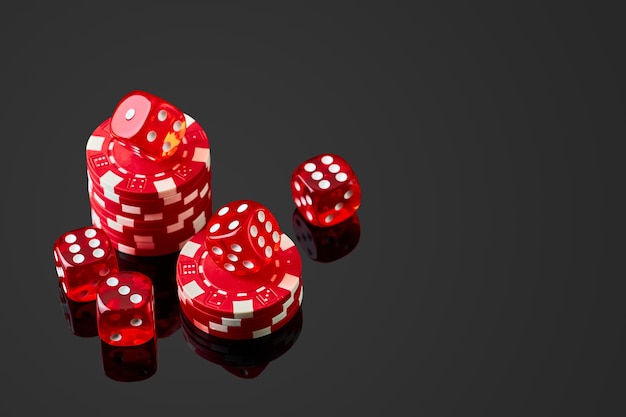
[150, 244]
[178, 232]
[157, 236]
[172, 222]
[217, 292]
[235, 333]
[145, 209]
[119, 170]
[227, 324]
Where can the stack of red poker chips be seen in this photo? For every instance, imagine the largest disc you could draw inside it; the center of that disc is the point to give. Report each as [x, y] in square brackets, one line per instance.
[149, 208]
[238, 307]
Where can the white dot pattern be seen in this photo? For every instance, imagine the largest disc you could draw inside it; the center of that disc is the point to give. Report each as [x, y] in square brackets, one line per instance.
[325, 171]
[258, 223]
[162, 115]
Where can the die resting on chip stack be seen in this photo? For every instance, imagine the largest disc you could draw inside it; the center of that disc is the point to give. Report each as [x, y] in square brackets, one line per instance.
[149, 176]
[241, 277]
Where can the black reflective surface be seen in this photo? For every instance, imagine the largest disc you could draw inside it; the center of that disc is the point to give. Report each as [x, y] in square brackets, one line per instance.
[486, 279]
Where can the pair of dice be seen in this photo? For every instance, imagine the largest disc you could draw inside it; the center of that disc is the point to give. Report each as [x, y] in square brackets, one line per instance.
[88, 270]
[244, 235]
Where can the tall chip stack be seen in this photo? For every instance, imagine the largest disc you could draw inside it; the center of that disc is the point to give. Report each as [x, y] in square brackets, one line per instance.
[149, 206]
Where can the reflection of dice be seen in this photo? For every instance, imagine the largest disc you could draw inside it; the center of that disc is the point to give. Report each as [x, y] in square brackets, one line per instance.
[326, 244]
[129, 363]
[83, 258]
[125, 309]
[242, 237]
[80, 316]
[149, 125]
[325, 190]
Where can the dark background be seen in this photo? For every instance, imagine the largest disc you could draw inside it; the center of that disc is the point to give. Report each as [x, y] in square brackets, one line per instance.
[486, 280]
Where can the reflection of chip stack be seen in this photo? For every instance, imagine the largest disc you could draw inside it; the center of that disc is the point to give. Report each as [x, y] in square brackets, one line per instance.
[148, 206]
[243, 358]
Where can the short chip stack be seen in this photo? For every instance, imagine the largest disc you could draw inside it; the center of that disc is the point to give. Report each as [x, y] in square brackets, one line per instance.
[147, 207]
[231, 307]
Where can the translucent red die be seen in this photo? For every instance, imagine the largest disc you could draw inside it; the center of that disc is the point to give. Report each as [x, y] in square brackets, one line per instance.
[125, 309]
[83, 258]
[325, 190]
[242, 237]
[149, 125]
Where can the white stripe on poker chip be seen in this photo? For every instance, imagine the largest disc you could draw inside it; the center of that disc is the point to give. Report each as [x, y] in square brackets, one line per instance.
[188, 119]
[279, 317]
[190, 249]
[110, 180]
[124, 221]
[186, 214]
[191, 290]
[286, 242]
[203, 155]
[94, 143]
[204, 190]
[199, 223]
[192, 196]
[125, 249]
[243, 309]
[165, 187]
[230, 322]
[127, 208]
[99, 200]
[290, 283]
[218, 327]
[118, 227]
[262, 332]
[111, 196]
[153, 217]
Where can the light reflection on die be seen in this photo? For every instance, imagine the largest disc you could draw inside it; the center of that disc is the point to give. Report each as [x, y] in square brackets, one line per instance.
[326, 244]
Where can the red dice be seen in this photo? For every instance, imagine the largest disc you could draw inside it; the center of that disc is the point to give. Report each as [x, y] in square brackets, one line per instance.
[83, 258]
[325, 190]
[125, 309]
[242, 237]
[150, 126]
